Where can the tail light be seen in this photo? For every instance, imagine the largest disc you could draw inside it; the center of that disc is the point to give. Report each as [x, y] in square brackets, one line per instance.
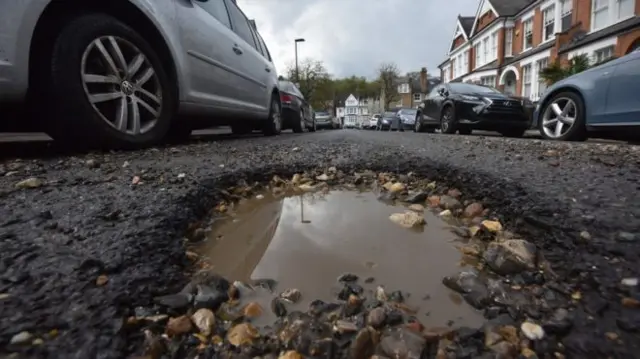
[284, 98]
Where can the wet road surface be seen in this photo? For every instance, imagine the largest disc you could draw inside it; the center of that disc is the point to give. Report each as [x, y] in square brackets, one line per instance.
[87, 215]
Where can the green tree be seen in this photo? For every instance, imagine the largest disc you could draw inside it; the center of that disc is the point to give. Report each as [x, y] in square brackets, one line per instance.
[311, 73]
[557, 71]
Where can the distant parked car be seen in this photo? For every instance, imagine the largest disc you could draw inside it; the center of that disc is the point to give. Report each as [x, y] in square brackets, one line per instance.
[297, 114]
[373, 122]
[407, 117]
[463, 107]
[388, 121]
[603, 99]
[324, 120]
[132, 73]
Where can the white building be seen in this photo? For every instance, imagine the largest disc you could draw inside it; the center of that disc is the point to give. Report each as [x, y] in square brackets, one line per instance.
[356, 111]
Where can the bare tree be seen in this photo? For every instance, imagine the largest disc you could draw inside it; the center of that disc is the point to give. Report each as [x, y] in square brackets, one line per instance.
[388, 74]
[311, 75]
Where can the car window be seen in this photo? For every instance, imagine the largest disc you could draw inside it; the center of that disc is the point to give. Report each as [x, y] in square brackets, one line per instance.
[241, 24]
[256, 41]
[264, 46]
[435, 90]
[217, 9]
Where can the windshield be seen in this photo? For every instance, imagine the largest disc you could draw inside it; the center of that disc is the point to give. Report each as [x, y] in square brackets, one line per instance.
[408, 112]
[389, 114]
[471, 88]
[322, 113]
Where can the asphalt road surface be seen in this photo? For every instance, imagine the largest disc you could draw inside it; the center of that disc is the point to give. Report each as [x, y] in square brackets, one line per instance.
[579, 203]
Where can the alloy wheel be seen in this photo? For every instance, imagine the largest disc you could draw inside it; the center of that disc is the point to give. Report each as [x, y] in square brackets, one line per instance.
[121, 85]
[559, 117]
[446, 119]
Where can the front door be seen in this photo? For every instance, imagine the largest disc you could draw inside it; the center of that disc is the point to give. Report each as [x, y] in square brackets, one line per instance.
[214, 73]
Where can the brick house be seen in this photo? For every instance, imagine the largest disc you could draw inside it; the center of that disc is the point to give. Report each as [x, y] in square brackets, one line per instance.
[509, 41]
[410, 92]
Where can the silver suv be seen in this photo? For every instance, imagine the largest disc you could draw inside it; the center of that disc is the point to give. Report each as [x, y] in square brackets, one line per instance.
[131, 73]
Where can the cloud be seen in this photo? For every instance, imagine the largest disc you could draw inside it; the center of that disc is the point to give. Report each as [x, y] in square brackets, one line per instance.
[353, 37]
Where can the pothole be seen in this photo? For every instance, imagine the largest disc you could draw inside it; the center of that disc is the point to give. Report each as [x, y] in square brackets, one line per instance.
[326, 264]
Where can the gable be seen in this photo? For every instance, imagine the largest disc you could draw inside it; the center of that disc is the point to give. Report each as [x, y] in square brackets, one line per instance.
[459, 36]
[351, 101]
[484, 7]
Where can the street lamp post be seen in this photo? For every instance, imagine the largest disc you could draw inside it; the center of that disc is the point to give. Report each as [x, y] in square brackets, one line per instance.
[296, 41]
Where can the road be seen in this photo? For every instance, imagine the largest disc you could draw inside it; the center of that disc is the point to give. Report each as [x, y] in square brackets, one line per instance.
[122, 214]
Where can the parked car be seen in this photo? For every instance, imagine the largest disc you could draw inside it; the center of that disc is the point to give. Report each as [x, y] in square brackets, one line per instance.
[297, 114]
[388, 121]
[373, 122]
[324, 120]
[407, 117]
[133, 73]
[602, 99]
[463, 107]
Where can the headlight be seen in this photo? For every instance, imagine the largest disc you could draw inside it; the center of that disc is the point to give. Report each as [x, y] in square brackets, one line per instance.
[470, 98]
[385, 121]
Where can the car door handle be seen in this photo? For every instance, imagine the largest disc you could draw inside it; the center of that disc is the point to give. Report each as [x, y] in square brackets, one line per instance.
[267, 69]
[237, 50]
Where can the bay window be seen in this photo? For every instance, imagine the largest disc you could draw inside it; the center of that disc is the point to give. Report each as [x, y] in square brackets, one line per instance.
[624, 9]
[526, 81]
[465, 62]
[508, 42]
[485, 50]
[566, 14]
[494, 45]
[600, 14]
[603, 54]
[548, 22]
[527, 27]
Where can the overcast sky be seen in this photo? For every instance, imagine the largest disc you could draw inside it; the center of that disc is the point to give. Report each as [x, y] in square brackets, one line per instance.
[352, 37]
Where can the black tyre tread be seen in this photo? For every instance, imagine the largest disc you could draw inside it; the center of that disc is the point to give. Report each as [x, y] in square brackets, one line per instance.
[297, 125]
[72, 110]
[579, 130]
[268, 128]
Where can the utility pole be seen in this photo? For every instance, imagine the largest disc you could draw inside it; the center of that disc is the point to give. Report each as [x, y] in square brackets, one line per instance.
[295, 42]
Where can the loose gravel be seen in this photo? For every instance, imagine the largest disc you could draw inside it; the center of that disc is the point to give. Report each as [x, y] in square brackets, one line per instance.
[85, 238]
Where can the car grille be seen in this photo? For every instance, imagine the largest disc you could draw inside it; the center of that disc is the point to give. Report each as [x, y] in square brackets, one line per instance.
[505, 106]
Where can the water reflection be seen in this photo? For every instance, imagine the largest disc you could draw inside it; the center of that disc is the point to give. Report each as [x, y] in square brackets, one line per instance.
[306, 242]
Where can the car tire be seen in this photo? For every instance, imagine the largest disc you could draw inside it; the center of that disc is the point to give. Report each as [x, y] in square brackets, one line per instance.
[448, 120]
[241, 129]
[313, 127]
[299, 126]
[417, 127]
[577, 131]
[272, 126]
[74, 82]
[513, 132]
[465, 131]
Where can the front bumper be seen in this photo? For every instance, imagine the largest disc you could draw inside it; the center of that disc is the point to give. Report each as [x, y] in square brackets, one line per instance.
[494, 116]
[324, 123]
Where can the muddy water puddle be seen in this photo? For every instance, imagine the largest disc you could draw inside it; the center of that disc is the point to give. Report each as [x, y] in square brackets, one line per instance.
[308, 241]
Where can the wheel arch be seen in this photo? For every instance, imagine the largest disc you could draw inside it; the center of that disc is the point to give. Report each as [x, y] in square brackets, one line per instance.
[447, 103]
[59, 12]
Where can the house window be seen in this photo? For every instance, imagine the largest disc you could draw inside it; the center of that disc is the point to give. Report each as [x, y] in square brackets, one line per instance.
[603, 54]
[488, 81]
[476, 51]
[565, 14]
[417, 97]
[600, 14]
[508, 43]
[351, 110]
[403, 88]
[625, 8]
[494, 45]
[542, 84]
[466, 62]
[526, 81]
[485, 50]
[548, 22]
[527, 27]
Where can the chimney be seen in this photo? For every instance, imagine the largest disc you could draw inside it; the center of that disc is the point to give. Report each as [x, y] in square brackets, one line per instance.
[424, 85]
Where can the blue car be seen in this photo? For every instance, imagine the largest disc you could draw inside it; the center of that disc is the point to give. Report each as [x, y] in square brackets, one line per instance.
[603, 99]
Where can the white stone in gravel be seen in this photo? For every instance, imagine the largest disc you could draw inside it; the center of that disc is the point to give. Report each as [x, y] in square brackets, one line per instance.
[630, 282]
[445, 213]
[182, 175]
[532, 331]
[259, 196]
[21, 338]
